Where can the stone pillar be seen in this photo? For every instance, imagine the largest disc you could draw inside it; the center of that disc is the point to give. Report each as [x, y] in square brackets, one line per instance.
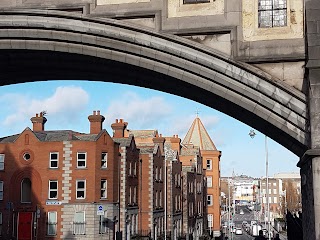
[310, 162]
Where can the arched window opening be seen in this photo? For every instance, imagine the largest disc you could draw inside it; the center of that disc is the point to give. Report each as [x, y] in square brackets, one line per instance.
[26, 190]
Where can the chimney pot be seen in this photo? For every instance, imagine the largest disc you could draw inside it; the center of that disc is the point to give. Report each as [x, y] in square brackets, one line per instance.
[121, 120]
[98, 112]
[37, 115]
[95, 122]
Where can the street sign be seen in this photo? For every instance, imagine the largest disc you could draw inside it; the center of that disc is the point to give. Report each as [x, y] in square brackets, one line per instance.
[100, 210]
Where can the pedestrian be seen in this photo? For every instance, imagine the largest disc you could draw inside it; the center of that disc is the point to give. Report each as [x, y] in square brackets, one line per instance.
[277, 237]
[260, 237]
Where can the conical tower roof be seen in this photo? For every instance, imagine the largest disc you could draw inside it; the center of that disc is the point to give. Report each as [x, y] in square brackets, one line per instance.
[198, 136]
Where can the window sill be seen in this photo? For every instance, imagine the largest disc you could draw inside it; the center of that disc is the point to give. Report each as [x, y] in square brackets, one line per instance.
[81, 168]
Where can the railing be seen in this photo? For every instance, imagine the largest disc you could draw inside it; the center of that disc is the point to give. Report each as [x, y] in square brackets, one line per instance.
[79, 228]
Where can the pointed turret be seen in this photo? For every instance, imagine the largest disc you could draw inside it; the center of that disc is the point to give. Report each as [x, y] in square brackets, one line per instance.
[198, 136]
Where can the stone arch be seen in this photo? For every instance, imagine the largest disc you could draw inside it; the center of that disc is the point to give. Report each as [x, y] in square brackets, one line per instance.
[16, 180]
[43, 45]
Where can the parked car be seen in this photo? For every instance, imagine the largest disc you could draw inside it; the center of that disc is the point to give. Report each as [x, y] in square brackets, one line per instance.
[241, 212]
[238, 231]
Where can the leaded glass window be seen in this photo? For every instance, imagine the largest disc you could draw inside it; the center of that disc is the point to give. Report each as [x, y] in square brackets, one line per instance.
[272, 13]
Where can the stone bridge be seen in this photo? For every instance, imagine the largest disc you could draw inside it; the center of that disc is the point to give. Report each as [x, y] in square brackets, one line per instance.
[161, 45]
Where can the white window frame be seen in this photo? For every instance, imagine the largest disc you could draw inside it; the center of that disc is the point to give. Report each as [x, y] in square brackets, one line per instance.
[82, 160]
[79, 228]
[81, 189]
[210, 220]
[104, 160]
[135, 194]
[52, 189]
[104, 188]
[135, 169]
[2, 156]
[156, 172]
[0, 223]
[52, 225]
[1, 190]
[53, 160]
[209, 164]
[209, 200]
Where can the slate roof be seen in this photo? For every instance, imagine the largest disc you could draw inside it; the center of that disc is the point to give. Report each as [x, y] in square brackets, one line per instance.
[189, 150]
[124, 142]
[55, 136]
[170, 154]
[197, 135]
[146, 150]
[144, 133]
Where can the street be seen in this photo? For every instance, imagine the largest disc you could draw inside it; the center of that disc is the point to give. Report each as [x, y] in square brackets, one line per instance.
[238, 218]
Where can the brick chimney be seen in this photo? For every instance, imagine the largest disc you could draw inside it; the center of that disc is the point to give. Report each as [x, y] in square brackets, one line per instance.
[38, 122]
[175, 143]
[118, 128]
[159, 140]
[96, 121]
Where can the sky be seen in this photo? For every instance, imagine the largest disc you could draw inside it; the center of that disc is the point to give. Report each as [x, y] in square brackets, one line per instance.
[69, 103]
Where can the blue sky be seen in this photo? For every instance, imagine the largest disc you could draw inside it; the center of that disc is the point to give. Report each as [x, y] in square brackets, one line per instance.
[69, 103]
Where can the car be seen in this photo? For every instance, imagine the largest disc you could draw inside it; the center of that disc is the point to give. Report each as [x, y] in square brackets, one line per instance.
[241, 212]
[244, 223]
[238, 231]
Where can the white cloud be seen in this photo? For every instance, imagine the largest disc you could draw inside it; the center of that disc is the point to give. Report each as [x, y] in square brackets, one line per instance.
[62, 106]
[137, 111]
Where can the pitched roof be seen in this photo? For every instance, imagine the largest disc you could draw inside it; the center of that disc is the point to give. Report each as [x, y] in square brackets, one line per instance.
[54, 136]
[197, 135]
[143, 133]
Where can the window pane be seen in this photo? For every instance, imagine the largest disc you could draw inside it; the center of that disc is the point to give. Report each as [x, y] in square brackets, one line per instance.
[81, 156]
[80, 184]
[81, 163]
[53, 194]
[54, 156]
[26, 190]
[1, 161]
[53, 185]
[79, 217]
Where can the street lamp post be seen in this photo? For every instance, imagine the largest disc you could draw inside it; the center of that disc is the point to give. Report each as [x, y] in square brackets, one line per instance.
[252, 134]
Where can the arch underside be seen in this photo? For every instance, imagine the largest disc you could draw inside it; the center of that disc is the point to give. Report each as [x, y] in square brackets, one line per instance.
[49, 45]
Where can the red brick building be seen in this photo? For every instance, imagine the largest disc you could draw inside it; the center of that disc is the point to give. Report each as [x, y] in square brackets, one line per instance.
[65, 184]
[151, 213]
[197, 136]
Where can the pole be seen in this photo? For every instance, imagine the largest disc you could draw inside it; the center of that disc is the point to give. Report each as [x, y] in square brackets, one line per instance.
[229, 216]
[268, 203]
[165, 200]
